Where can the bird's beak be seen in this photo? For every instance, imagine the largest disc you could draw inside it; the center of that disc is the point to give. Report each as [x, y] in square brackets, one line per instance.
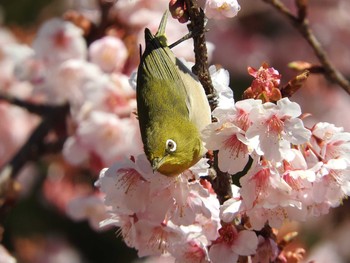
[156, 163]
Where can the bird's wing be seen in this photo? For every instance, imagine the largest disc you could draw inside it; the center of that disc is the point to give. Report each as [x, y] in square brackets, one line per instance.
[162, 64]
[198, 106]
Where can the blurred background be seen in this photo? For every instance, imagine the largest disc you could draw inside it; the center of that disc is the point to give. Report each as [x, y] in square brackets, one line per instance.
[37, 228]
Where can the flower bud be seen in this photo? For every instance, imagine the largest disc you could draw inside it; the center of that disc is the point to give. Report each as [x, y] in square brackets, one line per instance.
[178, 10]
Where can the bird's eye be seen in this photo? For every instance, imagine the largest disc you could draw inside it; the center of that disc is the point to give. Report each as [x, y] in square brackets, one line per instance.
[170, 146]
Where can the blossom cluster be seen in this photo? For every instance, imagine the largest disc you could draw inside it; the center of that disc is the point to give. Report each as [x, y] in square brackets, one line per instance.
[296, 172]
[158, 214]
[60, 68]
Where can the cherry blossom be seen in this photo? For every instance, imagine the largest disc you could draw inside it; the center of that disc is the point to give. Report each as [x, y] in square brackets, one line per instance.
[13, 55]
[267, 251]
[277, 127]
[335, 143]
[88, 207]
[178, 10]
[265, 86]
[230, 209]
[5, 257]
[139, 13]
[266, 196]
[194, 250]
[15, 127]
[6, 36]
[233, 243]
[265, 77]
[76, 74]
[220, 9]
[228, 135]
[45, 248]
[104, 136]
[109, 53]
[57, 41]
[332, 146]
[221, 80]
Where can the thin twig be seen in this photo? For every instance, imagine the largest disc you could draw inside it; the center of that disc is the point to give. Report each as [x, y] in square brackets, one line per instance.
[301, 23]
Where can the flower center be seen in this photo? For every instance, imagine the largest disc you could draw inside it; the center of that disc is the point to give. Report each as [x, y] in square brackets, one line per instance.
[60, 39]
[129, 178]
[274, 125]
[235, 146]
[228, 234]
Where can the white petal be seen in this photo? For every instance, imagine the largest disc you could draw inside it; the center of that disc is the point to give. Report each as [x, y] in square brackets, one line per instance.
[246, 243]
[221, 253]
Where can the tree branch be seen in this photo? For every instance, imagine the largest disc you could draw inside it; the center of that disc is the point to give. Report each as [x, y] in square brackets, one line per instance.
[53, 120]
[197, 27]
[301, 23]
[222, 182]
[35, 108]
[92, 31]
[98, 31]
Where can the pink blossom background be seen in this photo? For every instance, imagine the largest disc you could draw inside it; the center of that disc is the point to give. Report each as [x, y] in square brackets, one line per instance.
[38, 230]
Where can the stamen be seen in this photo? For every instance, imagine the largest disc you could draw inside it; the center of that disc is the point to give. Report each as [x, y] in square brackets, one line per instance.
[274, 125]
[129, 178]
[235, 146]
[228, 234]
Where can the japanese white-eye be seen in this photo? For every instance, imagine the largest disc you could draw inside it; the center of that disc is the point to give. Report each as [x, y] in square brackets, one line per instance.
[172, 107]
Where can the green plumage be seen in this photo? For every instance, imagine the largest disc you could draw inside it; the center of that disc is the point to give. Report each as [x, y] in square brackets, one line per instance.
[166, 94]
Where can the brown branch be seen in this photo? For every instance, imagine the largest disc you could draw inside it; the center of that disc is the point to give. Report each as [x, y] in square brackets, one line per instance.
[302, 8]
[99, 30]
[222, 182]
[92, 31]
[35, 108]
[197, 27]
[36, 146]
[301, 23]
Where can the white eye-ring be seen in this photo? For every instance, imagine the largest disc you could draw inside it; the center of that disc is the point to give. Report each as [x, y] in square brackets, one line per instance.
[170, 146]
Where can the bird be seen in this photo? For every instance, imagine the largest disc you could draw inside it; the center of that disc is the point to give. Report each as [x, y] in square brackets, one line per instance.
[172, 107]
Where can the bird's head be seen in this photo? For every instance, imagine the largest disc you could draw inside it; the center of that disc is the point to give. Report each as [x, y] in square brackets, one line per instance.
[174, 149]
